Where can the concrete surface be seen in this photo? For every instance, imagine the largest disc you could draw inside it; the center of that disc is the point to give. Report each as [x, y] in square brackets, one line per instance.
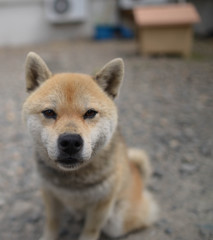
[166, 107]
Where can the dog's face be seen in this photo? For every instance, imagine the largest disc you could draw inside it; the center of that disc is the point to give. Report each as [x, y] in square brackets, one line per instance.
[70, 116]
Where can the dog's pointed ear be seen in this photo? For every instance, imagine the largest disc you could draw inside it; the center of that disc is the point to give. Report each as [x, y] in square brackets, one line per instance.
[36, 71]
[110, 77]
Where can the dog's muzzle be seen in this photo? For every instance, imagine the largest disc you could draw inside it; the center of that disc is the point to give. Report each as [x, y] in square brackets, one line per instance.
[70, 146]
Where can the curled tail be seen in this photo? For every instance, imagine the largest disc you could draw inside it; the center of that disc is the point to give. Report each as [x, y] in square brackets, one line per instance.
[141, 160]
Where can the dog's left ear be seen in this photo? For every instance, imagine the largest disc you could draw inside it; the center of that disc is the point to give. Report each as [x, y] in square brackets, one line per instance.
[36, 71]
[110, 77]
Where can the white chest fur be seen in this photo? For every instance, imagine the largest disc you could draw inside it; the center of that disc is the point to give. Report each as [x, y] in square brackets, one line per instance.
[79, 199]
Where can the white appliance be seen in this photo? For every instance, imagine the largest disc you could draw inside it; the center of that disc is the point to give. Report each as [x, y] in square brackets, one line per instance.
[65, 11]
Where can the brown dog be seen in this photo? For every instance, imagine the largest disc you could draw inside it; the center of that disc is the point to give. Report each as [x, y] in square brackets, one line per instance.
[82, 161]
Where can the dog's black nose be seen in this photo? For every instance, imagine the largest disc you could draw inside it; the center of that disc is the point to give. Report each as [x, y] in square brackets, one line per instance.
[70, 143]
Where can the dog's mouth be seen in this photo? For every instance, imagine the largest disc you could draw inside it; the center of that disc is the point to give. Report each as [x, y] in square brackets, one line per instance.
[69, 163]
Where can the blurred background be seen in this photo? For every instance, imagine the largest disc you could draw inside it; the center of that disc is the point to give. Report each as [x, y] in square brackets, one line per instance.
[165, 105]
[36, 21]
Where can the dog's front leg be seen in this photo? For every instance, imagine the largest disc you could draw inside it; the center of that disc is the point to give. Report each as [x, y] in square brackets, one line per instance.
[52, 218]
[95, 220]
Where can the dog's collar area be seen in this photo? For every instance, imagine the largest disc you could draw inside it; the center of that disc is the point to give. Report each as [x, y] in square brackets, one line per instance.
[66, 179]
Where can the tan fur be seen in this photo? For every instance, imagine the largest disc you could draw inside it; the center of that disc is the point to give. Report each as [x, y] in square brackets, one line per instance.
[107, 183]
[141, 160]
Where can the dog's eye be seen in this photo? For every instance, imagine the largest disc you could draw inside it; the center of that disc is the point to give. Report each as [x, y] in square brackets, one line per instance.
[90, 114]
[49, 113]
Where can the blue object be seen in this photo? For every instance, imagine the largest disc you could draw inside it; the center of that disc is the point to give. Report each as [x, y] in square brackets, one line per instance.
[103, 32]
[126, 32]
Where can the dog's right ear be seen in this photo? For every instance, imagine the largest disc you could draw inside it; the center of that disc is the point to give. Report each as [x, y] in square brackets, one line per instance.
[36, 71]
[110, 77]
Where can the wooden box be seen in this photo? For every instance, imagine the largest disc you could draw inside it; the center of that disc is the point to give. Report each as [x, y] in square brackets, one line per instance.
[166, 28]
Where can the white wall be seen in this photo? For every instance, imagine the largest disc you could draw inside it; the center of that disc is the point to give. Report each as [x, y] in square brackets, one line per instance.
[24, 22]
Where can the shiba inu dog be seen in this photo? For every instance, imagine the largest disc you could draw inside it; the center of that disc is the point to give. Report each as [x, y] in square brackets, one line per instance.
[82, 160]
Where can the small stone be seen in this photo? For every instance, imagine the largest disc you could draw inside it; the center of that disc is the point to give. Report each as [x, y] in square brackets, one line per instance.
[168, 231]
[187, 168]
[206, 231]
[20, 208]
[10, 110]
[205, 151]
[64, 233]
[160, 152]
[157, 174]
[189, 132]
[154, 188]
[174, 144]
[2, 202]
[187, 158]
[34, 218]
[164, 122]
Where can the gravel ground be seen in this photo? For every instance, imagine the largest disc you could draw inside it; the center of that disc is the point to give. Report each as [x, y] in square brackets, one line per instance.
[165, 107]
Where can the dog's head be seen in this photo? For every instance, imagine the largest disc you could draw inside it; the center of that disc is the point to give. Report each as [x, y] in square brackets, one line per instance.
[71, 116]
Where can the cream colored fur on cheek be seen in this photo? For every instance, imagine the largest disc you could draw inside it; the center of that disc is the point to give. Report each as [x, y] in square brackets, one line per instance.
[43, 137]
[34, 126]
[49, 140]
[102, 133]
